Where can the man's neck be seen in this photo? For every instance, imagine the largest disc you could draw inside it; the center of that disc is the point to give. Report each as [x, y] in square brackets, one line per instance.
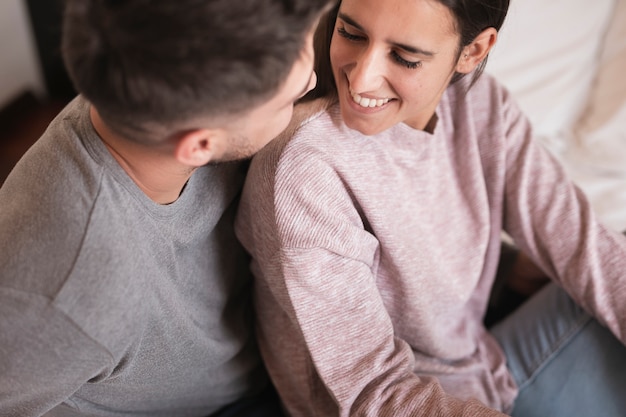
[155, 170]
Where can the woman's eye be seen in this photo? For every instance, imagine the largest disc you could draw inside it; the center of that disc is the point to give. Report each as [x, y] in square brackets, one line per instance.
[396, 57]
[404, 62]
[349, 36]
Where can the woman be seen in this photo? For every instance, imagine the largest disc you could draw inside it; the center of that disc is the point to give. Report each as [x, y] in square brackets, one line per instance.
[375, 232]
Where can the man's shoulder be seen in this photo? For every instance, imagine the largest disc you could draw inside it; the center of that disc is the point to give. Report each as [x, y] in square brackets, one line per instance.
[50, 202]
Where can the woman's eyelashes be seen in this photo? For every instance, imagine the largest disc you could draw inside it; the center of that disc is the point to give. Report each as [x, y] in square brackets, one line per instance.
[406, 63]
[349, 36]
[396, 57]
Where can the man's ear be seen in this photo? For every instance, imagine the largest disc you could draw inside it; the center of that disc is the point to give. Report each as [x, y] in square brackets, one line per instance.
[197, 147]
[474, 53]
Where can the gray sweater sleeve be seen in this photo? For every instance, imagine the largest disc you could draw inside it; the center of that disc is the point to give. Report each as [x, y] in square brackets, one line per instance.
[44, 357]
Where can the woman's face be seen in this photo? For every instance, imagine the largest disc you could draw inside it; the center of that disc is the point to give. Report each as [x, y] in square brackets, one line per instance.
[392, 61]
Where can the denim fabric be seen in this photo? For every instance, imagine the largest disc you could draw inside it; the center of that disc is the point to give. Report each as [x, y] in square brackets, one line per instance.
[564, 362]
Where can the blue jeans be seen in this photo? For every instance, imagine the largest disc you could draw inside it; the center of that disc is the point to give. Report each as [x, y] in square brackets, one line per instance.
[564, 362]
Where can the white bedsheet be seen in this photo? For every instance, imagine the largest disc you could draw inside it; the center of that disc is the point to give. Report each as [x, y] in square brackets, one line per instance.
[565, 61]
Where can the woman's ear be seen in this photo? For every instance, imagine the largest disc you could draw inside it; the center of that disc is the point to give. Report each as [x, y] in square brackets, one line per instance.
[197, 147]
[474, 53]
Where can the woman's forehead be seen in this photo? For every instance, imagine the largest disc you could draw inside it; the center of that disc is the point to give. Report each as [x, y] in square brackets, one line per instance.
[401, 20]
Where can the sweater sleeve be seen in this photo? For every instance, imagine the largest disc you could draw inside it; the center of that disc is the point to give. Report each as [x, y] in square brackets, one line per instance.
[551, 220]
[44, 357]
[325, 333]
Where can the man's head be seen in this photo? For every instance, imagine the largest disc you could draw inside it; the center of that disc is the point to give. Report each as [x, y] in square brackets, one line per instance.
[156, 68]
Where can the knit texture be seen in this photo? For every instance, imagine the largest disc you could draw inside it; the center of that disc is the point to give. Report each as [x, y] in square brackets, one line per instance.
[111, 304]
[374, 256]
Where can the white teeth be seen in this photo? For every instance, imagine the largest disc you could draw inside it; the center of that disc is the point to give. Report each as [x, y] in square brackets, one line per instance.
[368, 102]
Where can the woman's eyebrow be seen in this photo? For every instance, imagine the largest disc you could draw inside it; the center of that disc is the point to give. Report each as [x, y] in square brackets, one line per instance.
[350, 21]
[407, 48]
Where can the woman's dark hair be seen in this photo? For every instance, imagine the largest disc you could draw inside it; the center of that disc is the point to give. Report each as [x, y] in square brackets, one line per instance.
[471, 18]
[321, 44]
[158, 63]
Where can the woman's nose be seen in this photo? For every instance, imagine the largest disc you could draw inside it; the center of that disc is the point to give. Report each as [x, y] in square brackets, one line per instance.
[367, 73]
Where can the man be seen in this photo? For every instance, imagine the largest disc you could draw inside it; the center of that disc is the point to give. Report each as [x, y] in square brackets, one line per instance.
[123, 290]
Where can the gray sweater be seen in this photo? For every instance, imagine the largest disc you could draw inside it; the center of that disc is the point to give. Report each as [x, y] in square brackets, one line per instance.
[374, 256]
[111, 304]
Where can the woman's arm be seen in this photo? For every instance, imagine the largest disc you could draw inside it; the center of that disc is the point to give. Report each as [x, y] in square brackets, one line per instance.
[325, 334]
[551, 220]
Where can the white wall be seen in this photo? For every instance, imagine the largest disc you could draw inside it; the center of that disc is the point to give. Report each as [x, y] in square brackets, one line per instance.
[19, 65]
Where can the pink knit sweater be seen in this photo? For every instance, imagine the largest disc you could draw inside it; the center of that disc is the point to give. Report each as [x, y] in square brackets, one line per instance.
[375, 255]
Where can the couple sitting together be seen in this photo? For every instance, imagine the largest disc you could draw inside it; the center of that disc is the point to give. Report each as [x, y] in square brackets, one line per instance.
[149, 269]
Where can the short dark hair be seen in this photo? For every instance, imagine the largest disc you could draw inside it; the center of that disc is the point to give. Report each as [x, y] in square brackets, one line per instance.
[471, 18]
[147, 62]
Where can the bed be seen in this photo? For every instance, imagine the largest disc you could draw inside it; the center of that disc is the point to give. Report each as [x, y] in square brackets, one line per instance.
[565, 61]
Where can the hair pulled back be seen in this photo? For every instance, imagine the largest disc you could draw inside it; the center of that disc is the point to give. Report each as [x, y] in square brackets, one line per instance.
[472, 17]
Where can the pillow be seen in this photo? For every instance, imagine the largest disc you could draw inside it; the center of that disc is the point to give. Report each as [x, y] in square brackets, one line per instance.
[547, 56]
